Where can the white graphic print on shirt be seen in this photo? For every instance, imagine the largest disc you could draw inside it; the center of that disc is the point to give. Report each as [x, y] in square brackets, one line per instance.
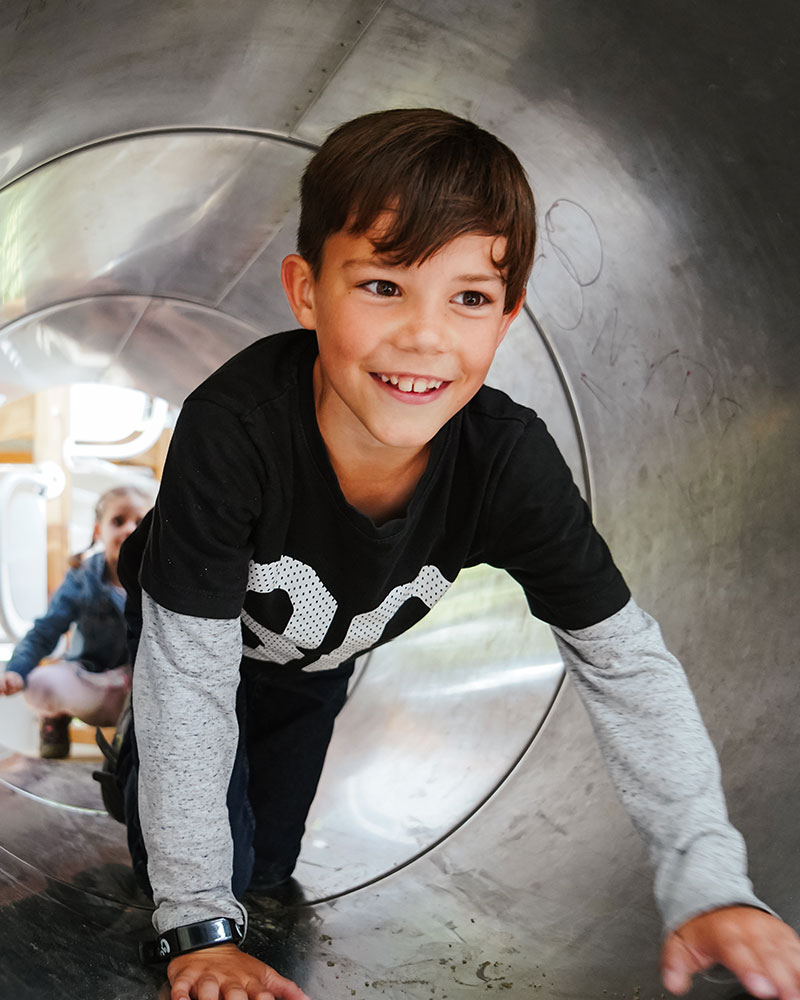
[314, 607]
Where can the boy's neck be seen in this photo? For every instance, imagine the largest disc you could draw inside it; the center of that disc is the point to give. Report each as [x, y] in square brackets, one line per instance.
[380, 493]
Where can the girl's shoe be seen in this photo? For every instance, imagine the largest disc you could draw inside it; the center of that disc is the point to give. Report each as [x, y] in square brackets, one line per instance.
[54, 742]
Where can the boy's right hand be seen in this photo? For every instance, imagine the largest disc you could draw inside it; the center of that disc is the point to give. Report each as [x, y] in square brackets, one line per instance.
[11, 682]
[226, 973]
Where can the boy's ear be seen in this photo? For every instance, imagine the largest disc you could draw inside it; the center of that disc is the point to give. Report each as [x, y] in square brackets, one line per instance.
[509, 317]
[299, 285]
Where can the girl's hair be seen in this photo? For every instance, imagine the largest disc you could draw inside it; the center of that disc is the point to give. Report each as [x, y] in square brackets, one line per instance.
[440, 177]
[133, 492]
[115, 493]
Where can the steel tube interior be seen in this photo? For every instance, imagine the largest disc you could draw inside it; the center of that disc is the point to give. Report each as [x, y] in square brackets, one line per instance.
[466, 835]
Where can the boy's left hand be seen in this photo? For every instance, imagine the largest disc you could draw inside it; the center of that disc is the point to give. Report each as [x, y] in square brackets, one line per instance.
[762, 951]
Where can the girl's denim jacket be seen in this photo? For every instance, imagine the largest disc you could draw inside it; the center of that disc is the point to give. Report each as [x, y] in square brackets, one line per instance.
[88, 600]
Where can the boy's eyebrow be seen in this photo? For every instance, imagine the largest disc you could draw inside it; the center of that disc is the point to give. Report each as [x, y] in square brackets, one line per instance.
[371, 261]
[377, 260]
[477, 278]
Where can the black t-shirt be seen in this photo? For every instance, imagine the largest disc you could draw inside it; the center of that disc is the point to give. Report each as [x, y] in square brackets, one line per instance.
[250, 520]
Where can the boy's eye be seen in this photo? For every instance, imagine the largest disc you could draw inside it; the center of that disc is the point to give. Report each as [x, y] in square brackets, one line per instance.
[471, 298]
[381, 287]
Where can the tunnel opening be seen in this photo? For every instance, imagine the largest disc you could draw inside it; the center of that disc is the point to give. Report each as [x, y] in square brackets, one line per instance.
[151, 270]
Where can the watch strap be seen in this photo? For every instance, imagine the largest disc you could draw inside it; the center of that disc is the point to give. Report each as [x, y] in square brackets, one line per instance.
[189, 937]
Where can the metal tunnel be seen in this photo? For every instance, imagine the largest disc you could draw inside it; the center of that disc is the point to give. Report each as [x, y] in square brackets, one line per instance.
[466, 840]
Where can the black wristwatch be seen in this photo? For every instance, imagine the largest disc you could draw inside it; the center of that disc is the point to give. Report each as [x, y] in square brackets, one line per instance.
[189, 937]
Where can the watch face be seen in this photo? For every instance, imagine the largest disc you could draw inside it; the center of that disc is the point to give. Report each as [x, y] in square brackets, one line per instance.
[202, 934]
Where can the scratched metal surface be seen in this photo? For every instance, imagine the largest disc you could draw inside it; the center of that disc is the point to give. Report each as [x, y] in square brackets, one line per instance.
[662, 142]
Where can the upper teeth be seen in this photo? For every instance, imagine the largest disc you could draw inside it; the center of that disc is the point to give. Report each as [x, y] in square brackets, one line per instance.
[405, 383]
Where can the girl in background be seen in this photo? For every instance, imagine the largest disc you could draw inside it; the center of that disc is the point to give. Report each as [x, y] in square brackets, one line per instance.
[92, 682]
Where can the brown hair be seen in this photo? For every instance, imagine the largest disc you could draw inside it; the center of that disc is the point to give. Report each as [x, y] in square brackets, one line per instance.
[440, 175]
[115, 493]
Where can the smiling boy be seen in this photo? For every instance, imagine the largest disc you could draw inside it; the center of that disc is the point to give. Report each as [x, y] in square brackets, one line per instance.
[322, 491]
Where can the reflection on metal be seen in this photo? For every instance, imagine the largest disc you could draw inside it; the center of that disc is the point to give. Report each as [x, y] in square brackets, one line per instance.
[665, 283]
[438, 719]
[21, 775]
[183, 215]
[23, 554]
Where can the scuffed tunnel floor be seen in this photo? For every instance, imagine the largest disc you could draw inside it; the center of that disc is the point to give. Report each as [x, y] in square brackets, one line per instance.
[70, 937]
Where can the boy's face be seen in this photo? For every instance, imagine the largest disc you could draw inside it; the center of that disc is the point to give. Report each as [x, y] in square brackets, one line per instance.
[401, 349]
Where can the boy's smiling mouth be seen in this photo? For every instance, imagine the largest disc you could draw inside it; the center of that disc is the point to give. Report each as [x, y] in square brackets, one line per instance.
[410, 384]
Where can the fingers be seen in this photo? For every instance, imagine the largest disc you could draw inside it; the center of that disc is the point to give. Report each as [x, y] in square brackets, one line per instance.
[679, 962]
[180, 989]
[750, 971]
[246, 979]
[758, 986]
[281, 988]
[760, 950]
[209, 988]
[768, 976]
[767, 962]
[11, 682]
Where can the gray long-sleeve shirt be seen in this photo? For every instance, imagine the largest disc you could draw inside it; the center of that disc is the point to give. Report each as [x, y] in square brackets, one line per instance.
[656, 748]
[187, 731]
[661, 762]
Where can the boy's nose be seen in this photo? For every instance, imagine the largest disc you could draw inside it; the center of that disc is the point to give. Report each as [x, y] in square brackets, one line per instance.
[424, 332]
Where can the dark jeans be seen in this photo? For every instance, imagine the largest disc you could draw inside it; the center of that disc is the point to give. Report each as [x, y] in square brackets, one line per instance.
[285, 725]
